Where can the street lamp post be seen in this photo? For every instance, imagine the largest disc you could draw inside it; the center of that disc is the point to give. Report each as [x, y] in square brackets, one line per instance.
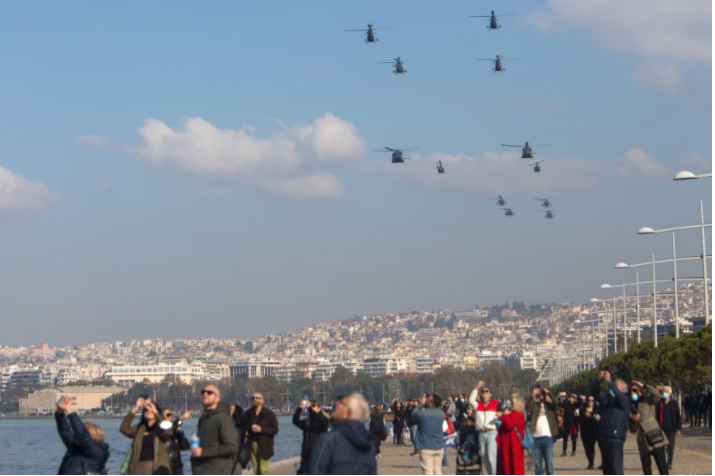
[650, 231]
[687, 175]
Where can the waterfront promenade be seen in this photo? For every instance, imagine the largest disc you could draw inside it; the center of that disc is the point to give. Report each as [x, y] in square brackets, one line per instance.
[693, 455]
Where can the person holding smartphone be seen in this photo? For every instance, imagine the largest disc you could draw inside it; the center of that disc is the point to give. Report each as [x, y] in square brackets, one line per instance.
[315, 425]
[87, 453]
[149, 438]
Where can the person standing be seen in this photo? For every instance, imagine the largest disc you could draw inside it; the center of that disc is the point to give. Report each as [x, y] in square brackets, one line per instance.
[486, 412]
[667, 414]
[377, 427]
[217, 436]
[429, 418]
[613, 424]
[543, 427]
[651, 438]
[235, 411]
[349, 448]
[262, 427]
[693, 409]
[149, 455]
[510, 454]
[87, 453]
[398, 421]
[588, 419]
[313, 426]
[703, 408]
[452, 411]
[177, 443]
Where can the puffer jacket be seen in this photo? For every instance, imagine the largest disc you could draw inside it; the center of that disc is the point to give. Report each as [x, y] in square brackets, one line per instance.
[613, 410]
[84, 455]
[161, 464]
[348, 449]
[646, 409]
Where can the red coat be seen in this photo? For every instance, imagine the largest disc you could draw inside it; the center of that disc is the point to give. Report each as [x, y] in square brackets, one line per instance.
[510, 455]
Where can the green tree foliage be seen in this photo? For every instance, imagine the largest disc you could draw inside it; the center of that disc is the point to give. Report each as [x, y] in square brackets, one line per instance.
[685, 363]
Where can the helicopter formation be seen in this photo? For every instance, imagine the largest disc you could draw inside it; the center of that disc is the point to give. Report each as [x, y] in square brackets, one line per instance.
[526, 150]
[509, 211]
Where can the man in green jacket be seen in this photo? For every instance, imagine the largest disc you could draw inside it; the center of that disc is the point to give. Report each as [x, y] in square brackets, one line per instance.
[217, 436]
[543, 428]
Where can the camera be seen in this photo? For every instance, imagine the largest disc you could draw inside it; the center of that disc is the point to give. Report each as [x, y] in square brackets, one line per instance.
[177, 424]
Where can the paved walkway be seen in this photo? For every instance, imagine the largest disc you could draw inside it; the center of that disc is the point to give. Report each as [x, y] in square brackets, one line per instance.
[693, 455]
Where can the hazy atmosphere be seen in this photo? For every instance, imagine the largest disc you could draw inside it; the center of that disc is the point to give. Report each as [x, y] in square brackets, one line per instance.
[184, 169]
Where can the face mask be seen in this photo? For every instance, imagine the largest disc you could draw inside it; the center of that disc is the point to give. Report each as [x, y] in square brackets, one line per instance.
[507, 404]
[611, 393]
[634, 397]
[665, 395]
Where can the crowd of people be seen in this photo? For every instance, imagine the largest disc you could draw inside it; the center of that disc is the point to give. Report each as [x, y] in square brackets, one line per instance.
[502, 436]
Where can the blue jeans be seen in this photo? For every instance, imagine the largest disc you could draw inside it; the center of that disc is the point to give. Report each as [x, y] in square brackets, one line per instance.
[488, 449]
[445, 461]
[543, 448]
[413, 436]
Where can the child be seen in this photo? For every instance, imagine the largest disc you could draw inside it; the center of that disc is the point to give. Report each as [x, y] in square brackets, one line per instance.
[469, 452]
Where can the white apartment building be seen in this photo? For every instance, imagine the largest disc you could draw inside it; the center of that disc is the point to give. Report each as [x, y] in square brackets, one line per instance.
[388, 364]
[128, 375]
[423, 365]
[254, 369]
[65, 376]
[528, 360]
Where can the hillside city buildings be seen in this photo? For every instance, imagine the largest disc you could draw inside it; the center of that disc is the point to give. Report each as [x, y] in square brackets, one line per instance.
[555, 340]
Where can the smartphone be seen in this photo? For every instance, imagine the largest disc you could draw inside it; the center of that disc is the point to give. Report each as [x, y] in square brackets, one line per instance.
[62, 399]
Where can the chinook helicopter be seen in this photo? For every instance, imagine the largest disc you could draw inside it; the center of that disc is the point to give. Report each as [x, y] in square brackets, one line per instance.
[500, 200]
[545, 202]
[509, 212]
[440, 169]
[497, 63]
[399, 69]
[397, 157]
[493, 25]
[526, 152]
[548, 214]
[369, 33]
[537, 169]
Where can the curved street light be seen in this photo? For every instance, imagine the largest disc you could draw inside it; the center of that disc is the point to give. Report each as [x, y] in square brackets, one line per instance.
[687, 175]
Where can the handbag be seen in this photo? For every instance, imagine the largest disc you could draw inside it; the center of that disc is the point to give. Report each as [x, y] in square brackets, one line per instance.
[527, 442]
[384, 434]
[127, 459]
[244, 455]
[654, 436]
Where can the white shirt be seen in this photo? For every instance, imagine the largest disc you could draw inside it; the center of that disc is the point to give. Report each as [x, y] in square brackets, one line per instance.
[542, 424]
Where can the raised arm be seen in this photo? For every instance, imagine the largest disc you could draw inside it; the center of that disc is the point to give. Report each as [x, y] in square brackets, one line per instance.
[63, 428]
[297, 421]
[126, 427]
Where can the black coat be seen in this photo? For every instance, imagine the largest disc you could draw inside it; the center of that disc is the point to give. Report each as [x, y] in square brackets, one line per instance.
[315, 425]
[569, 409]
[348, 449]
[175, 446]
[398, 422]
[589, 424]
[674, 423]
[83, 454]
[217, 437]
[377, 424]
[614, 410]
[268, 422]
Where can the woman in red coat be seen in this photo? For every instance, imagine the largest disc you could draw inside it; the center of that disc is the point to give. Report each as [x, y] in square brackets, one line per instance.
[510, 455]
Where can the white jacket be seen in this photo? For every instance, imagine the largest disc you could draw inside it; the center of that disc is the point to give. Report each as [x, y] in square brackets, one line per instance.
[483, 415]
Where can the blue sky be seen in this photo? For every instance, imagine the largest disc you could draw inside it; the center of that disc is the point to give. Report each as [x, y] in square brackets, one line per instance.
[135, 202]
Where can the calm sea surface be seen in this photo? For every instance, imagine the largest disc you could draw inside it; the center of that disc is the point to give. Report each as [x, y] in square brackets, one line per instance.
[33, 446]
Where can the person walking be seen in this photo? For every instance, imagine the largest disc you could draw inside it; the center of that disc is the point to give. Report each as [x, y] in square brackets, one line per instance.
[486, 411]
[429, 418]
[313, 425]
[613, 423]
[649, 435]
[667, 414]
[510, 454]
[543, 427]
[87, 453]
[178, 441]
[570, 406]
[149, 438]
[703, 408]
[217, 436]
[349, 448]
[693, 409]
[377, 427]
[262, 427]
[588, 419]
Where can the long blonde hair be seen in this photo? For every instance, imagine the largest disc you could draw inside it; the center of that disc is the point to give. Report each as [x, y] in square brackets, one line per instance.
[517, 403]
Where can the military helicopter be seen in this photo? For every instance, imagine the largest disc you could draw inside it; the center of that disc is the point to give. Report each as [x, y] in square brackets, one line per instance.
[397, 157]
[526, 152]
[399, 69]
[508, 211]
[537, 169]
[493, 25]
[545, 202]
[497, 63]
[440, 169]
[500, 200]
[548, 214]
[369, 33]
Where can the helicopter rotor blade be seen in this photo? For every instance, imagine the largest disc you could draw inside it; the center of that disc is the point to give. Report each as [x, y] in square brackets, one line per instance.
[385, 62]
[479, 16]
[486, 59]
[542, 145]
[393, 150]
[383, 27]
[509, 145]
[357, 30]
[380, 150]
[410, 61]
[411, 148]
[506, 15]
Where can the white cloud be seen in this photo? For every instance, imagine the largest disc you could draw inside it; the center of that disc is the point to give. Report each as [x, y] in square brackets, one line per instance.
[664, 29]
[638, 162]
[282, 164]
[494, 173]
[659, 76]
[18, 193]
[696, 163]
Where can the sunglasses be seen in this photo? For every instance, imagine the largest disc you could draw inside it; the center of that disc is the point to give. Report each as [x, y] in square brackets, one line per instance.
[486, 391]
[169, 415]
[208, 392]
[591, 400]
[256, 398]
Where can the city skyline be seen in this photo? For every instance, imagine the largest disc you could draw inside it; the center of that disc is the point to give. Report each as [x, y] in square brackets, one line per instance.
[177, 170]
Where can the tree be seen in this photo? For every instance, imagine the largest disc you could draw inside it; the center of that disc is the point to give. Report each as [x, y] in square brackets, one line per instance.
[248, 346]
[342, 376]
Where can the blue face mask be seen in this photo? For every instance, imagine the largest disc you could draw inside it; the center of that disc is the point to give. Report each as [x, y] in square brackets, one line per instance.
[611, 393]
[665, 395]
[634, 397]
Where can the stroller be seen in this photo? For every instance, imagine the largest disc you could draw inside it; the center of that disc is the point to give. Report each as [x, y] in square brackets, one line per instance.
[472, 465]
